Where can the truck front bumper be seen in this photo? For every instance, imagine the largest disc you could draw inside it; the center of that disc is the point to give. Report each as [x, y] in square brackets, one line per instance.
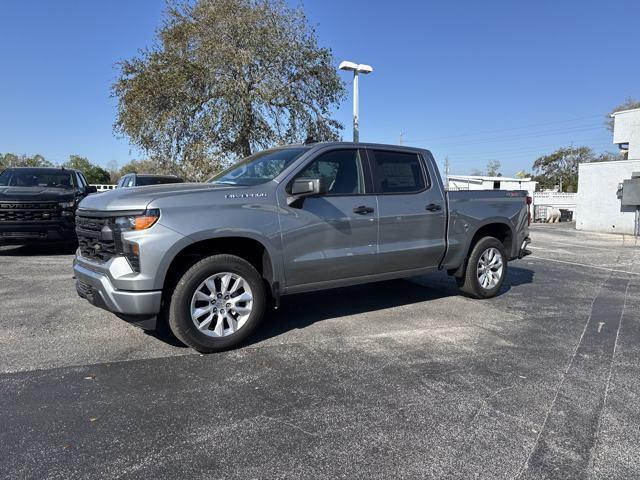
[19, 233]
[139, 308]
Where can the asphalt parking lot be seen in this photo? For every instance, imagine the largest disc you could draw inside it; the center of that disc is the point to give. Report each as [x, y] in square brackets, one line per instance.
[399, 379]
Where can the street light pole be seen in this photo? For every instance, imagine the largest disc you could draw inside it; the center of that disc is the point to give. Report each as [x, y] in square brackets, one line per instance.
[356, 113]
[356, 69]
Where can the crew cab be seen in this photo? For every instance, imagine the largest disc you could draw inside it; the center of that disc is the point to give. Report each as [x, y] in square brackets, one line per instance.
[209, 258]
[38, 204]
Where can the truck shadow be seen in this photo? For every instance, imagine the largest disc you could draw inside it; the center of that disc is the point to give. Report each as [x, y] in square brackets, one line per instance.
[37, 249]
[302, 310]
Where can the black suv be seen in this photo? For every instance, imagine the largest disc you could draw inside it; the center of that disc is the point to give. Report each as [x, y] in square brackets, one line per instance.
[144, 179]
[38, 204]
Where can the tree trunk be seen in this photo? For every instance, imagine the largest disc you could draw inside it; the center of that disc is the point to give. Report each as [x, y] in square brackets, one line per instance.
[245, 146]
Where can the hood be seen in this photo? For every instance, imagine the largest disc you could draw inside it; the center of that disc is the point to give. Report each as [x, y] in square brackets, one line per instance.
[35, 194]
[138, 198]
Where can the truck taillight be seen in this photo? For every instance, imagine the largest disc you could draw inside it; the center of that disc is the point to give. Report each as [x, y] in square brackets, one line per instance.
[529, 202]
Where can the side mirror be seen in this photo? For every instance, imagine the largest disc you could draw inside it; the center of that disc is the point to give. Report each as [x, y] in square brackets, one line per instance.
[307, 187]
[90, 189]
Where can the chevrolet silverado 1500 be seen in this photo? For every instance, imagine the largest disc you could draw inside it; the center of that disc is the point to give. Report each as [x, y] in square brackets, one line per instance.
[209, 258]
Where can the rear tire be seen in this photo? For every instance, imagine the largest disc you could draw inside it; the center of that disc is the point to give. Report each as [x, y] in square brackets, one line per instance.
[486, 269]
[217, 303]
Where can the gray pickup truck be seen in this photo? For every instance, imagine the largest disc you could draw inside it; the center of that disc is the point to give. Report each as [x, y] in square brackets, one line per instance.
[209, 258]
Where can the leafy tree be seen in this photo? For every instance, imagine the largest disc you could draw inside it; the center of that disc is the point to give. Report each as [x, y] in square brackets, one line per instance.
[13, 160]
[476, 172]
[93, 173]
[142, 166]
[114, 171]
[523, 174]
[628, 104]
[226, 77]
[608, 157]
[493, 168]
[561, 167]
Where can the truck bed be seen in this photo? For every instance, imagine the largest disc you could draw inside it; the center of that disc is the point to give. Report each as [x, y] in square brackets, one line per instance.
[469, 210]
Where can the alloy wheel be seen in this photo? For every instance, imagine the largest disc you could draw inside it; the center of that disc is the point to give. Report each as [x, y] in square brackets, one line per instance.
[490, 268]
[221, 304]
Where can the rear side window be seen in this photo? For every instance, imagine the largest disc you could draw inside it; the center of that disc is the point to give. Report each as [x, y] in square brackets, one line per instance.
[397, 172]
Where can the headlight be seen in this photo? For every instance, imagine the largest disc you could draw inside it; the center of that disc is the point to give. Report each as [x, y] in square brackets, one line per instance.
[138, 222]
[68, 205]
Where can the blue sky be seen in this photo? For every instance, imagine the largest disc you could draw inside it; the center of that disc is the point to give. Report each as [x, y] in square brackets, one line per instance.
[503, 80]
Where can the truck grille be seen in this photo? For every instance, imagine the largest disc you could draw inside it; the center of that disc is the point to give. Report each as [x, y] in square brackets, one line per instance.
[91, 240]
[29, 212]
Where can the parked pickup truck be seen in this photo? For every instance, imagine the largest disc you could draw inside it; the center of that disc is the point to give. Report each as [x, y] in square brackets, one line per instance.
[39, 204]
[209, 258]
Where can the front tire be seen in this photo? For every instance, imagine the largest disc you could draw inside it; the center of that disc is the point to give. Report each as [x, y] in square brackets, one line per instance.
[486, 269]
[217, 303]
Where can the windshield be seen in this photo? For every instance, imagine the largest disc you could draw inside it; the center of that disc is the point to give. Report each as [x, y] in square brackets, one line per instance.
[259, 168]
[13, 178]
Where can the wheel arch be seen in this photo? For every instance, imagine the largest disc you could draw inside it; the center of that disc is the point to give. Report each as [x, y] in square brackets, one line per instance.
[497, 228]
[500, 230]
[253, 250]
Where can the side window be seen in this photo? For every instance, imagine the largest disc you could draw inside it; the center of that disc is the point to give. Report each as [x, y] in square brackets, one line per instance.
[397, 172]
[82, 182]
[342, 172]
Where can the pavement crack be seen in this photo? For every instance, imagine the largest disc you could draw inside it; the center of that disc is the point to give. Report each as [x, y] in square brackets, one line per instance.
[291, 425]
[485, 402]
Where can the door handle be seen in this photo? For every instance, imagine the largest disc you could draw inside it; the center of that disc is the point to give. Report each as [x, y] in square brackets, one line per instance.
[433, 207]
[362, 210]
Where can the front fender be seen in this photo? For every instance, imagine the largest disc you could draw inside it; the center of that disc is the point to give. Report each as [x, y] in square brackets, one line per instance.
[270, 244]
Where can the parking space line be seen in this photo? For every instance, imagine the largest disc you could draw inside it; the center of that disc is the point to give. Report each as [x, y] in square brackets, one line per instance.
[607, 269]
[592, 457]
[592, 367]
[580, 246]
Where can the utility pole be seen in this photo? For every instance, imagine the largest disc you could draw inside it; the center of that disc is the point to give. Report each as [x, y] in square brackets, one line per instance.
[401, 138]
[446, 172]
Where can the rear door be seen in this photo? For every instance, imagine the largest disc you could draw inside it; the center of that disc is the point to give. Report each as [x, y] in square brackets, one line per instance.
[331, 236]
[411, 211]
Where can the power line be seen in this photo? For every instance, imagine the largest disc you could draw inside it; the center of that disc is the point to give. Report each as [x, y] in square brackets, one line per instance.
[484, 132]
[518, 150]
[520, 156]
[521, 136]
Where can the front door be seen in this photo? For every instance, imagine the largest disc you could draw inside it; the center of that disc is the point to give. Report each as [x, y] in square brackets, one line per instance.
[331, 236]
[411, 211]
